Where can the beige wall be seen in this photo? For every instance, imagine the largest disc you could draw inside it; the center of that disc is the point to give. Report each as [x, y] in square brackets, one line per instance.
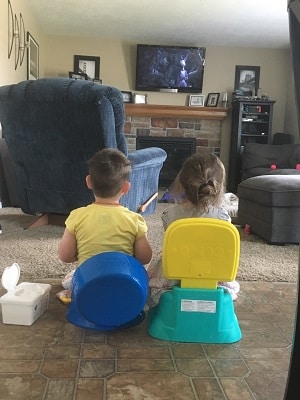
[117, 68]
[8, 73]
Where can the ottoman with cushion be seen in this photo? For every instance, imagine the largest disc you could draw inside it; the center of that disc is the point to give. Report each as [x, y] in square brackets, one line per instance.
[270, 204]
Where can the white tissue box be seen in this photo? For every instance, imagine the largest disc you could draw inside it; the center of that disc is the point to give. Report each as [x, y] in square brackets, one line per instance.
[25, 304]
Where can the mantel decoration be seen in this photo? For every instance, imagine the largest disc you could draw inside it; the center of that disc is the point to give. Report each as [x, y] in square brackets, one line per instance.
[89, 65]
[224, 99]
[127, 96]
[196, 100]
[78, 76]
[247, 80]
[140, 98]
[32, 58]
[212, 99]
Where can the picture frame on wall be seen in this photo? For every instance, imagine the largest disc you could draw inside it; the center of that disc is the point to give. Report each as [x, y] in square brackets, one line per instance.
[212, 99]
[196, 100]
[247, 80]
[32, 58]
[88, 65]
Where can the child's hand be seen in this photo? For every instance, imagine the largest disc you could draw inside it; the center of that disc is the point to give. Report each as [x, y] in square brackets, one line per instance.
[64, 296]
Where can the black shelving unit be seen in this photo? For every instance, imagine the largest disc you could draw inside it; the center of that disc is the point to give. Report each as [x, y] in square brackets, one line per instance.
[251, 123]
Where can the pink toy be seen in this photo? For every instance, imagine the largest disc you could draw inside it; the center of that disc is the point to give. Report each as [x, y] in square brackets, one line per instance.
[297, 166]
[247, 229]
[273, 166]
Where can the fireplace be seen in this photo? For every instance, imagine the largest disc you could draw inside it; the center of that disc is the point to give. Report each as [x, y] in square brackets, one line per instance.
[177, 149]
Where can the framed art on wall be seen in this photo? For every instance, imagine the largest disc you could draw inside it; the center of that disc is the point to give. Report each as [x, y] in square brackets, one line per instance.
[32, 58]
[10, 24]
[89, 65]
[22, 40]
[247, 79]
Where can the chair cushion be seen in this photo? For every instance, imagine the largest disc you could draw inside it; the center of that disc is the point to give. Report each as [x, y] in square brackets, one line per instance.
[272, 190]
[295, 159]
[257, 155]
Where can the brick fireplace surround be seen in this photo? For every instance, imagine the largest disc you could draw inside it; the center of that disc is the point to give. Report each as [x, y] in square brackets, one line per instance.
[202, 123]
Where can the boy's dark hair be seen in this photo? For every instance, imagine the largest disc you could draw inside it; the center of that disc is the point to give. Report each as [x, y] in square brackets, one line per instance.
[201, 180]
[109, 169]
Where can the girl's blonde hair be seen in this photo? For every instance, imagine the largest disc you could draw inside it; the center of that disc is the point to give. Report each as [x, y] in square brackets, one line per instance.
[201, 181]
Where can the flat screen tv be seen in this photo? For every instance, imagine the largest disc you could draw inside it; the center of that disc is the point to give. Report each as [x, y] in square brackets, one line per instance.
[169, 68]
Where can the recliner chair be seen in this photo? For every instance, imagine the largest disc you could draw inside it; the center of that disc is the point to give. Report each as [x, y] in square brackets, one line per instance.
[52, 126]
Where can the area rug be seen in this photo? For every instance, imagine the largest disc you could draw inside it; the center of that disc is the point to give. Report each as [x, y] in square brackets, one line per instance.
[35, 250]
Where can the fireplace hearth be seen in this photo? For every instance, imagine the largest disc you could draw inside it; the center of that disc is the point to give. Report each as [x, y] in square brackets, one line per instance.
[177, 149]
[180, 130]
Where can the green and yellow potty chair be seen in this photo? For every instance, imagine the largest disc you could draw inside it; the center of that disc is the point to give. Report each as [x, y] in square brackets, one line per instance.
[200, 252]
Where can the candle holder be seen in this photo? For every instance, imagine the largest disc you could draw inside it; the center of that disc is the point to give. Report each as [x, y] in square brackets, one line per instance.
[224, 100]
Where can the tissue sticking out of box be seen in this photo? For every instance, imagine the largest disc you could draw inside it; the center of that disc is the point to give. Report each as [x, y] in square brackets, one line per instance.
[10, 277]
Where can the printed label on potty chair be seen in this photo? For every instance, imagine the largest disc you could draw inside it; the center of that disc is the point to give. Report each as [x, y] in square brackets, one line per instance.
[204, 306]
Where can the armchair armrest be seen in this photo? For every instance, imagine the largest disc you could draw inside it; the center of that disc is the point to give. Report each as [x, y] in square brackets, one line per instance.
[147, 157]
[146, 165]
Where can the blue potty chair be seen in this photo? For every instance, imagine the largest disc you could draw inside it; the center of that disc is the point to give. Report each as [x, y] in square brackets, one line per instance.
[109, 292]
[199, 252]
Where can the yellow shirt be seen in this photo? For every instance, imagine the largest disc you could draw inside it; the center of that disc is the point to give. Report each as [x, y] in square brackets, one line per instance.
[99, 228]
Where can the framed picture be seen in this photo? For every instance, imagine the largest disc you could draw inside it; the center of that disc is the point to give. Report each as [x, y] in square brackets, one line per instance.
[212, 99]
[32, 58]
[127, 97]
[196, 100]
[88, 65]
[77, 75]
[140, 99]
[247, 80]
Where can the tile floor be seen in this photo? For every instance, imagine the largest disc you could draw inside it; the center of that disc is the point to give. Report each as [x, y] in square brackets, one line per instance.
[53, 359]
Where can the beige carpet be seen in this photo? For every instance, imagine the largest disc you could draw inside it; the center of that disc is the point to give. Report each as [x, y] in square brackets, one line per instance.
[35, 250]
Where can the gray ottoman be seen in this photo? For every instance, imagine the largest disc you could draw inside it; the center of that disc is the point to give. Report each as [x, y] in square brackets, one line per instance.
[270, 204]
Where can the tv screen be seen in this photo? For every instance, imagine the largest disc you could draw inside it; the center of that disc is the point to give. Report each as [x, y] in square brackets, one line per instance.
[173, 68]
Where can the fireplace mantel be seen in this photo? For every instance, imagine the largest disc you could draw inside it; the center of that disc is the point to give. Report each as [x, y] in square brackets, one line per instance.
[151, 110]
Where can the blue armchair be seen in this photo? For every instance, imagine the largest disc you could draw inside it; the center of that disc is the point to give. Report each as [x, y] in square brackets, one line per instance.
[52, 126]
